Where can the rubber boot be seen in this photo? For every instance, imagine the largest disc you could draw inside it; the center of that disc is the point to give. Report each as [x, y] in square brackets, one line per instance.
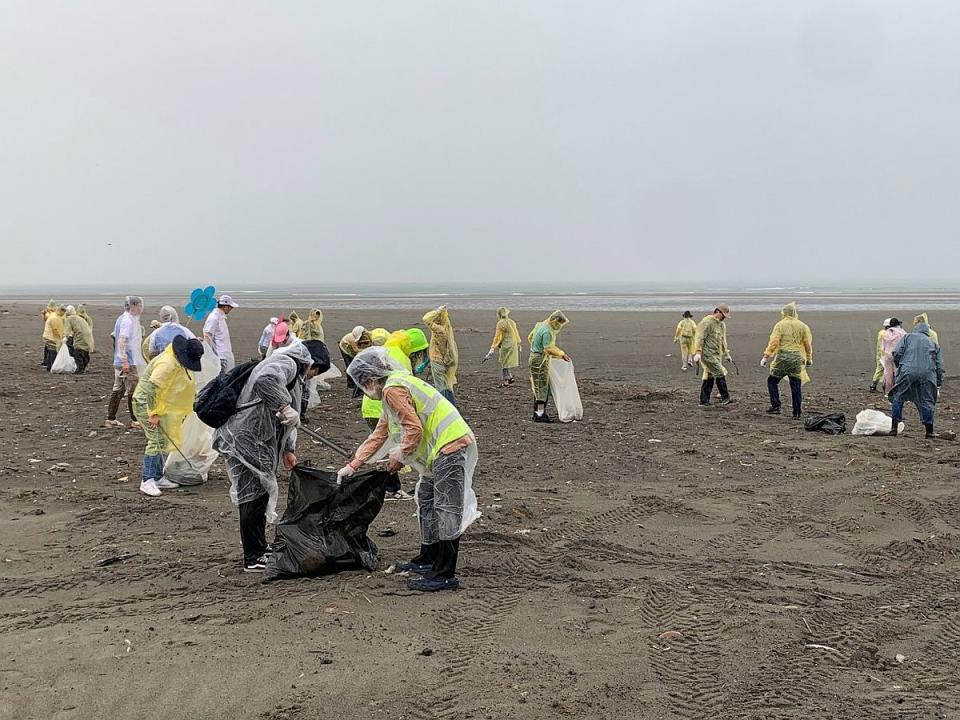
[894, 428]
[929, 428]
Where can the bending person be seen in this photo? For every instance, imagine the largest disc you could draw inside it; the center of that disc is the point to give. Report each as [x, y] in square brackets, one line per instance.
[161, 402]
[543, 347]
[919, 363]
[427, 432]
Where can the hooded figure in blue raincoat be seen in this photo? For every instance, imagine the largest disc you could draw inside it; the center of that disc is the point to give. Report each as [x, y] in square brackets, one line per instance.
[919, 375]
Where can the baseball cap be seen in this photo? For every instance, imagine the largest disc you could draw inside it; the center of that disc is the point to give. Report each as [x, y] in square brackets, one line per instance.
[227, 300]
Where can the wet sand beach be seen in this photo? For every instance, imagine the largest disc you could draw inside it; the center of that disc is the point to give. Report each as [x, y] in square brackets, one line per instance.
[795, 574]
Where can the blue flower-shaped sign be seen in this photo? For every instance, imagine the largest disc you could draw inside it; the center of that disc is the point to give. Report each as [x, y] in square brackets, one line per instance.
[202, 301]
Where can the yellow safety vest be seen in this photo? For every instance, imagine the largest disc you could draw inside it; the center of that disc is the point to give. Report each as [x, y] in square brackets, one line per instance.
[371, 408]
[441, 421]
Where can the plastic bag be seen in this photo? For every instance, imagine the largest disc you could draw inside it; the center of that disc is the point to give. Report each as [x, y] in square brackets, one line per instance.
[64, 362]
[830, 423]
[566, 395]
[324, 528]
[874, 422]
[192, 465]
[332, 374]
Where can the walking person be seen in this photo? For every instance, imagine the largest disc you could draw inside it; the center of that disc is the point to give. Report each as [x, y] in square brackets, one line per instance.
[506, 342]
[686, 336]
[217, 333]
[444, 354]
[711, 352]
[127, 358]
[919, 363]
[789, 352]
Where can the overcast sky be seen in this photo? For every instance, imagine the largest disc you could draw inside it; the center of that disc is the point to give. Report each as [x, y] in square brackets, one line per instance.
[688, 141]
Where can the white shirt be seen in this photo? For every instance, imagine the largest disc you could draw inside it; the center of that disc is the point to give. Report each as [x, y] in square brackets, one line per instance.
[128, 328]
[216, 328]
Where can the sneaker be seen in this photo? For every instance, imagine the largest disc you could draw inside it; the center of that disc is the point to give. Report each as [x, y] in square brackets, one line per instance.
[797, 416]
[433, 584]
[727, 401]
[113, 424]
[542, 418]
[873, 387]
[149, 487]
[165, 484]
[773, 411]
[136, 426]
[683, 367]
[706, 404]
[399, 495]
[412, 567]
[257, 566]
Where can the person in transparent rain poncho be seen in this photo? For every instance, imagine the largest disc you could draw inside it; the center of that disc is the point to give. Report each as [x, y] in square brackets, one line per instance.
[261, 435]
[423, 429]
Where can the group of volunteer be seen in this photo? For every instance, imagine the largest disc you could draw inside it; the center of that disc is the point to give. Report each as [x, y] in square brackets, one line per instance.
[66, 325]
[910, 365]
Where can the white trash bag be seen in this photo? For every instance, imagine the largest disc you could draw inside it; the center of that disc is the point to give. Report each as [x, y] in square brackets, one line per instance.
[64, 364]
[196, 444]
[563, 388]
[874, 422]
[313, 394]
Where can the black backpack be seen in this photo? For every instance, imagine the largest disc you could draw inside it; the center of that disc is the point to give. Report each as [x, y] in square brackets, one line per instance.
[217, 402]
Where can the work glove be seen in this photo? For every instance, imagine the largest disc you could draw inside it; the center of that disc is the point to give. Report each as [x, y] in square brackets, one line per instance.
[696, 358]
[288, 417]
[763, 361]
[809, 363]
[344, 472]
[729, 357]
[487, 356]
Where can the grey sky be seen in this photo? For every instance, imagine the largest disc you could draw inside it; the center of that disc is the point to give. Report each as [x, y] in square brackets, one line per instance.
[649, 140]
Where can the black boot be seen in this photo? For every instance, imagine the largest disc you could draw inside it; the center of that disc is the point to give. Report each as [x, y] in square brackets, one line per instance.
[873, 387]
[894, 428]
[929, 428]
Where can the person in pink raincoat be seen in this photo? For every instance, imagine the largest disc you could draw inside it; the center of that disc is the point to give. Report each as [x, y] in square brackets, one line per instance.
[892, 337]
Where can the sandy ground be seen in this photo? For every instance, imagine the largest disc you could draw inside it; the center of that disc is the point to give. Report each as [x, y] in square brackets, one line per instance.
[807, 575]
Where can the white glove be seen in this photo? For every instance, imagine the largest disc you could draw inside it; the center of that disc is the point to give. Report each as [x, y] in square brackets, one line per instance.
[809, 363]
[763, 361]
[729, 357]
[696, 358]
[344, 472]
[288, 417]
[487, 356]
[396, 453]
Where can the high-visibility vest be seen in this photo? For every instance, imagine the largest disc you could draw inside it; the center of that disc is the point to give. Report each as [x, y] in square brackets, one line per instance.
[371, 408]
[442, 423]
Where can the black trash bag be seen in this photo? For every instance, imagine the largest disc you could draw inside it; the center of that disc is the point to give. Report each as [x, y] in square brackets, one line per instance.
[831, 423]
[324, 528]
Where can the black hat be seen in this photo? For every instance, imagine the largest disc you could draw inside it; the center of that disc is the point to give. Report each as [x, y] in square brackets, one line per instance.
[321, 357]
[188, 352]
[688, 314]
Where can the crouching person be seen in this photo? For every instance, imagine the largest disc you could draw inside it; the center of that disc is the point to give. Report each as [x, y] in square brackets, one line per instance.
[261, 435]
[424, 430]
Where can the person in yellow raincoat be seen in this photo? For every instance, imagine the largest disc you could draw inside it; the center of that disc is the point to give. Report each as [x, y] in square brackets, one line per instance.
[444, 355]
[53, 334]
[44, 314]
[506, 340]
[79, 339]
[295, 324]
[686, 336]
[789, 352]
[379, 336]
[543, 346]
[711, 351]
[163, 399]
[313, 327]
[82, 312]
[924, 319]
[878, 372]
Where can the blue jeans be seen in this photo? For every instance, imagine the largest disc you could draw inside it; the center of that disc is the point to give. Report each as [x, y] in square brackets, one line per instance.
[896, 409]
[796, 396]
